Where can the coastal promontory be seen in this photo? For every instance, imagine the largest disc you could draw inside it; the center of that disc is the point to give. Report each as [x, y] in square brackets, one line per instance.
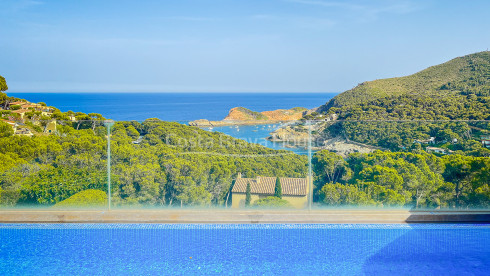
[244, 116]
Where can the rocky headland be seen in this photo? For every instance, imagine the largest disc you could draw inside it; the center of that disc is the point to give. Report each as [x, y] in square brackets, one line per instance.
[244, 116]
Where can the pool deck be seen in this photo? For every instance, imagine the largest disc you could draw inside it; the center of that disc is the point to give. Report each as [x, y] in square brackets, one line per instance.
[245, 216]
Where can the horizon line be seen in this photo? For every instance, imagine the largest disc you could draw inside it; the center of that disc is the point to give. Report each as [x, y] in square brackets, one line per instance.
[169, 92]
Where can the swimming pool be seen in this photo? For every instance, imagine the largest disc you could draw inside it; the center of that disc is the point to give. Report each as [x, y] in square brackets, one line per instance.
[341, 249]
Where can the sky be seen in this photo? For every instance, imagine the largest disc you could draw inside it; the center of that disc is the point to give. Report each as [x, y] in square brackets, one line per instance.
[230, 45]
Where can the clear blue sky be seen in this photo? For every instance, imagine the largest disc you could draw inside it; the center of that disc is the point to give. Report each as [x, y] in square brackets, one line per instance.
[230, 45]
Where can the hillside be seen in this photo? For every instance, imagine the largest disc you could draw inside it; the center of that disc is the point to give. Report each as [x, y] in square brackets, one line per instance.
[395, 113]
[457, 89]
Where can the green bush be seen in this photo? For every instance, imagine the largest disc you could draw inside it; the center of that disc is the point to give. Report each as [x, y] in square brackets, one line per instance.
[5, 130]
[86, 198]
[272, 202]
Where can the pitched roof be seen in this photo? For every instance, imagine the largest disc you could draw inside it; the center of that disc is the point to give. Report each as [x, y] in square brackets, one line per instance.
[30, 105]
[12, 123]
[21, 111]
[266, 185]
[18, 103]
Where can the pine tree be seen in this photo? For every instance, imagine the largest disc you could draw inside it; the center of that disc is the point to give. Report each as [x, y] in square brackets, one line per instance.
[248, 195]
[277, 189]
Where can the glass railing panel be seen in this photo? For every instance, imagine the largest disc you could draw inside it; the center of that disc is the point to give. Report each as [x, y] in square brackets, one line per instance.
[157, 164]
[434, 165]
[54, 164]
[419, 165]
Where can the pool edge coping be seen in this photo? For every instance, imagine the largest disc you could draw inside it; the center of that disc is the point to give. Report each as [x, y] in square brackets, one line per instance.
[243, 216]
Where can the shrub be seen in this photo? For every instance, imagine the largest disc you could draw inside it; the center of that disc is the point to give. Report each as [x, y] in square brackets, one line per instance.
[86, 198]
[272, 202]
[5, 130]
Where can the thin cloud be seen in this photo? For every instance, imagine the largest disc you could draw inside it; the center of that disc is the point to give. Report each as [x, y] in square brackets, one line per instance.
[16, 6]
[192, 18]
[327, 4]
[316, 23]
[368, 12]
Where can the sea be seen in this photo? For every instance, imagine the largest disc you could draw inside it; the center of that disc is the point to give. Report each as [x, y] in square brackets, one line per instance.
[184, 107]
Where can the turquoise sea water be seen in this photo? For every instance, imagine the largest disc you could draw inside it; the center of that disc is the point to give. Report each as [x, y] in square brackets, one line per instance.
[278, 249]
[257, 134]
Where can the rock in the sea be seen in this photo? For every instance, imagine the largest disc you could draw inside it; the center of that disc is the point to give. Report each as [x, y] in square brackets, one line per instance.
[291, 136]
[244, 116]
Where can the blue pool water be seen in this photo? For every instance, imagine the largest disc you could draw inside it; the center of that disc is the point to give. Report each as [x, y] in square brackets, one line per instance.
[144, 249]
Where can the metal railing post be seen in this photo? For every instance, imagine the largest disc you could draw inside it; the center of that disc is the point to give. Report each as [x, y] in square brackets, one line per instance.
[310, 178]
[109, 125]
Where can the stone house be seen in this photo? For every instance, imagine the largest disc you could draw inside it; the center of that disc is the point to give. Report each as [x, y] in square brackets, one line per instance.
[294, 190]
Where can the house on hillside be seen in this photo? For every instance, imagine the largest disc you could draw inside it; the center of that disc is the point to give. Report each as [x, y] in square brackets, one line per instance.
[439, 150]
[294, 190]
[23, 131]
[35, 107]
[50, 127]
[431, 140]
[21, 112]
[485, 140]
[17, 103]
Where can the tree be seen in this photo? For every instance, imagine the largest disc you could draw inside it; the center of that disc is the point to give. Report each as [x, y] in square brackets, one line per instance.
[330, 167]
[3, 84]
[277, 189]
[248, 195]
[15, 107]
[5, 130]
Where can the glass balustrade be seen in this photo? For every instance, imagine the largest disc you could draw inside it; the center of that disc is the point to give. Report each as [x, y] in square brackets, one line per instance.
[300, 165]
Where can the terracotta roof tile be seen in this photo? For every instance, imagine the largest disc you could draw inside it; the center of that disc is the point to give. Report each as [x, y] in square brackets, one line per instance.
[21, 111]
[18, 103]
[266, 185]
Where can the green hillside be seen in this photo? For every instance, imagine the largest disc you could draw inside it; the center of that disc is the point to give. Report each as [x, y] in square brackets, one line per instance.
[457, 89]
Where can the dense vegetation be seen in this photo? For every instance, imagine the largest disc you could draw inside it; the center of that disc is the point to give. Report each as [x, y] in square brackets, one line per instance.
[173, 165]
[401, 115]
[415, 179]
[251, 115]
[461, 137]
[393, 113]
